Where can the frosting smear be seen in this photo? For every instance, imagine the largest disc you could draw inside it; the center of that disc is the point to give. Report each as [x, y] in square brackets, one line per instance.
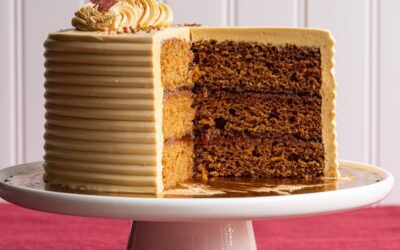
[124, 16]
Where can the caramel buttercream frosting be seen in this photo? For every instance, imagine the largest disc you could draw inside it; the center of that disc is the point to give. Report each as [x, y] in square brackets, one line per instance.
[104, 110]
[124, 16]
[104, 102]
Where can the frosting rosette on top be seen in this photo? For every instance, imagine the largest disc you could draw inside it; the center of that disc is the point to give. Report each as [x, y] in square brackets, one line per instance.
[123, 16]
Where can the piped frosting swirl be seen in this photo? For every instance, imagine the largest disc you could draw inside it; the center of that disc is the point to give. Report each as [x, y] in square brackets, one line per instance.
[124, 16]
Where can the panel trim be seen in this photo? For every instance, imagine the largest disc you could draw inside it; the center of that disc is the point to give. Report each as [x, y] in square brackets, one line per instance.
[225, 12]
[300, 13]
[18, 79]
[372, 90]
[375, 89]
[12, 48]
[231, 9]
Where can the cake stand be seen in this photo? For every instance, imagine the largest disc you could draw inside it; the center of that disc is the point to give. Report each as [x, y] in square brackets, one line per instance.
[195, 216]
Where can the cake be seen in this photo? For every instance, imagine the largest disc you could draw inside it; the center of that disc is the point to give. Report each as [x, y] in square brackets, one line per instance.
[136, 105]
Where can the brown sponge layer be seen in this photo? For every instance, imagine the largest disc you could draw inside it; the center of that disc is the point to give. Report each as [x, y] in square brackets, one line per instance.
[176, 57]
[256, 157]
[258, 110]
[177, 161]
[254, 66]
[178, 114]
[221, 113]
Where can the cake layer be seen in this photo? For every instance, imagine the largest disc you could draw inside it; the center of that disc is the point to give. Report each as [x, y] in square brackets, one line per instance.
[175, 60]
[256, 157]
[255, 66]
[177, 111]
[178, 114]
[313, 75]
[228, 112]
[177, 161]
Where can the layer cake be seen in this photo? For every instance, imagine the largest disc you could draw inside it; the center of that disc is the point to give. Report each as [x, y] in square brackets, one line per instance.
[141, 108]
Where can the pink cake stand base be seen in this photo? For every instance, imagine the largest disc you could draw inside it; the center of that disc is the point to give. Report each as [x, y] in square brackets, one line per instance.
[233, 235]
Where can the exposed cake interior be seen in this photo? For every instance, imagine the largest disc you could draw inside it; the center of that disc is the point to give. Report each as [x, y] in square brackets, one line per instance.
[242, 109]
[178, 114]
[143, 112]
[258, 110]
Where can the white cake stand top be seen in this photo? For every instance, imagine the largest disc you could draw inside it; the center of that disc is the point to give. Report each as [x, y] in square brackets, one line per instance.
[360, 185]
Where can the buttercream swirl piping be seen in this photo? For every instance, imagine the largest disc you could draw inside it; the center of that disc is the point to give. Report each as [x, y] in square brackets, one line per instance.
[125, 16]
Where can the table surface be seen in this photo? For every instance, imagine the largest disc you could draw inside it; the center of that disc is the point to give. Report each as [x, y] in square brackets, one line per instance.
[368, 228]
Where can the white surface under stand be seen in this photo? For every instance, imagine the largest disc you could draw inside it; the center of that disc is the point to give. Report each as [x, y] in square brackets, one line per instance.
[199, 223]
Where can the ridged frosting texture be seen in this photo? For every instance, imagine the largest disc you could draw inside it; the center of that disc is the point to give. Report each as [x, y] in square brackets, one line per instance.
[125, 16]
[100, 114]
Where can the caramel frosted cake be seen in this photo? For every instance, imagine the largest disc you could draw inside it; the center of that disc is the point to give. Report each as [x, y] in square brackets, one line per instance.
[135, 105]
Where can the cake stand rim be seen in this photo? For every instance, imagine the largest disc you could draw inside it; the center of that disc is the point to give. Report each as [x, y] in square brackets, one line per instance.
[387, 176]
[191, 209]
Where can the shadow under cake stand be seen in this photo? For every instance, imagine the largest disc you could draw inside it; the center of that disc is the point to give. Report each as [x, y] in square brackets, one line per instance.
[212, 215]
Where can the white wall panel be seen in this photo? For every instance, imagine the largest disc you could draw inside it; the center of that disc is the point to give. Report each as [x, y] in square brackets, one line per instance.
[7, 97]
[347, 21]
[389, 90]
[38, 22]
[207, 12]
[266, 12]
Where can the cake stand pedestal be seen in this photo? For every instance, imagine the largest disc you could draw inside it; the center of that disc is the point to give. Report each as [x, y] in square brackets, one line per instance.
[235, 235]
[198, 223]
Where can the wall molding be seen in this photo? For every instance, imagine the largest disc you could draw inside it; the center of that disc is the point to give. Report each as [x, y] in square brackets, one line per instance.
[12, 79]
[231, 15]
[375, 76]
[300, 13]
[18, 77]
[371, 95]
